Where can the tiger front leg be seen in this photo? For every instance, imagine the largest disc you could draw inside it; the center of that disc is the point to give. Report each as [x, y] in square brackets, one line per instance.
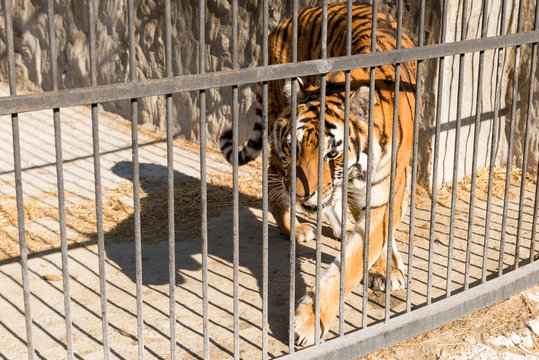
[377, 273]
[333, 214]
[304, 232]
[304, 324]
[280, 208]
[279, 203]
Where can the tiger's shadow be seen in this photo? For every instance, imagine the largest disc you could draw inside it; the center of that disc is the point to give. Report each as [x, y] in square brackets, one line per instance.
[188, 245]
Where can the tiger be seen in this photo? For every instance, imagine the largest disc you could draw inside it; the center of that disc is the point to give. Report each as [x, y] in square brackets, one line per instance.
[308, 144]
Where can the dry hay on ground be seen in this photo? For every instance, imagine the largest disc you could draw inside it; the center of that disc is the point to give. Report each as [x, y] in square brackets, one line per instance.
[118, 210]
[118, 224]
[463, 190]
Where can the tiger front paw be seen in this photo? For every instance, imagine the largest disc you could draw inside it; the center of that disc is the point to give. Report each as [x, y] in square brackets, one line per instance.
[377, 281]
[305, 232]
[304, 321]
[337, 231]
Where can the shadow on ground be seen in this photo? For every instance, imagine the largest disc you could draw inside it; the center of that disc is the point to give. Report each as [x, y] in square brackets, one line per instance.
[155, 251]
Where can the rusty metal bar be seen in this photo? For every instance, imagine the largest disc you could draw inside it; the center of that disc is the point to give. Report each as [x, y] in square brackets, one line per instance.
[97, 182]
[265, 205]
[368, 180]
[203, 186]
[510, 144]
[18, 182]
[394, 131]
[346, 135]
[293, 162]
[170, 186]
[60, 182]
[434, 185]
[413, 185]
[321, 154]
[493, 144]
[114, 92]
[136, 179]
[456, 153]
[235, 185]
[477, 127]
[533, 66]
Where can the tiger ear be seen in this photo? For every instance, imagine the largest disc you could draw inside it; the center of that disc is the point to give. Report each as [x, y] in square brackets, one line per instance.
[287, 89]
[359, 102]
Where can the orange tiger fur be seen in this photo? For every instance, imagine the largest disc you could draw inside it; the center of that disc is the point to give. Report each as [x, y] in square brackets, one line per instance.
[308, 109]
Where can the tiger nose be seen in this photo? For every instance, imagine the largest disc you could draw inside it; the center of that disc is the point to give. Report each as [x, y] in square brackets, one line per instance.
[303, 193]
[304, 198]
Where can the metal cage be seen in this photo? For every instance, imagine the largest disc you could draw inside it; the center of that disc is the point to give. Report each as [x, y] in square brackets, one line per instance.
[511, 268]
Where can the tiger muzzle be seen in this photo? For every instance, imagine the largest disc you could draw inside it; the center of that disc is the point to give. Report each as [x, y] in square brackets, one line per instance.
[302, 199]
[303, 193]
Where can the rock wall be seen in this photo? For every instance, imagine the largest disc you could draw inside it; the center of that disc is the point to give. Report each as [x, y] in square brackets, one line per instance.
[33, 66]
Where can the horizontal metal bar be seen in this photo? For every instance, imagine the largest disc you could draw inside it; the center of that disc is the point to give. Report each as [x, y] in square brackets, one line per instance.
[114, 92]
[381, 335]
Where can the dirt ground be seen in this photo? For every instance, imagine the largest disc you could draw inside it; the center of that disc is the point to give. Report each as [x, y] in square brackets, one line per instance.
[456, 338]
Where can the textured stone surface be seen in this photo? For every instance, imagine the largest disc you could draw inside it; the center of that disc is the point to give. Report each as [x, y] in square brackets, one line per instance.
[33, 67]
[33, 64]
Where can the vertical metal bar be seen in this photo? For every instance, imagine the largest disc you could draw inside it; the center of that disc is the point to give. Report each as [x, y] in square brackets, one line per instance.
[477, 127]
[534, 218]
[321, 153]
[536, 203]
[265, 294]
[18, 182]
[293, 162]
[414, 162]
[97, 182]
[526, 141]
[236, 238]
[511, 141]
[493, 145]
[136, 180]
[203, 186]
[435, 156]
[456, 153]
[60, 182]
[342, 285]
[170, 186]
[393, 166]
[368, 180]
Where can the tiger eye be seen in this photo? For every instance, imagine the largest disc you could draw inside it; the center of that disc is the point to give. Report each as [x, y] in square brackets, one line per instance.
[332, 154]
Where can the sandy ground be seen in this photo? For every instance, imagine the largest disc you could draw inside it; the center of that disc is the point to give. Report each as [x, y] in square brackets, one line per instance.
[477, 336]
[47, 301]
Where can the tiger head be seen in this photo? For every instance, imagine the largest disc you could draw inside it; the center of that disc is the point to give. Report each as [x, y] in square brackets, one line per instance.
[308, 141]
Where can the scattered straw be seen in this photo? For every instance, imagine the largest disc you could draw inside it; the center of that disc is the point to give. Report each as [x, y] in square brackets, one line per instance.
[118, 211]
[118, 222]
[444, 193]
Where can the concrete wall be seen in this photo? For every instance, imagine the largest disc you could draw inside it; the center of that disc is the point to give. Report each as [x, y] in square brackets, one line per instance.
[487, 96]
[33, 67]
